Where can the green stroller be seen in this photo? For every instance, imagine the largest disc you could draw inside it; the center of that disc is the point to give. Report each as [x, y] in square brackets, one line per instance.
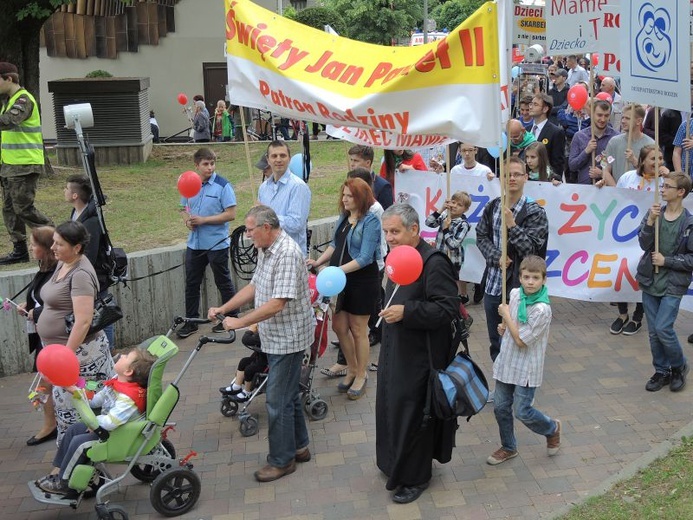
[141, 444]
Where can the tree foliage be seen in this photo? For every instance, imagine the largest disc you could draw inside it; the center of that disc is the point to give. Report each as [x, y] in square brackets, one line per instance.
[318, 17]
[452, 13]
[378, 21]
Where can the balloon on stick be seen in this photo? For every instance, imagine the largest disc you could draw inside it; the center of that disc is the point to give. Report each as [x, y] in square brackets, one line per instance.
[403, 266]
[330, 281]
[577, 97]
[182, 99]
[189, 184]
[58, 364]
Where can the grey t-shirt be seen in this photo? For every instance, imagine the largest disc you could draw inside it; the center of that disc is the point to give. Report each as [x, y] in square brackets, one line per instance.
[57, 300]
[615, 153]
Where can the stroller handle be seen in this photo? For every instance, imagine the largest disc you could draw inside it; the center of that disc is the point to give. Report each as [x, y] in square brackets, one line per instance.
[222, 340]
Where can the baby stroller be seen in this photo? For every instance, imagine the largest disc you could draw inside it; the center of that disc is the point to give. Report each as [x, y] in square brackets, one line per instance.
[315, 407]
[141, 445]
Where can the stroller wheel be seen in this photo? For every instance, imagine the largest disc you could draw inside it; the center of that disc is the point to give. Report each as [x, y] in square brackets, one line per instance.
[229, 408]
[175, 491]
[111, 512]
[317, 410]
[249, 426]
[147, 473]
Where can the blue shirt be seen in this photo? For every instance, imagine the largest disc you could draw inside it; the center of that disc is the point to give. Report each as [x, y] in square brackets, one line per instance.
[289, 197]
[216, 195]
[362, 240]
[686, 155]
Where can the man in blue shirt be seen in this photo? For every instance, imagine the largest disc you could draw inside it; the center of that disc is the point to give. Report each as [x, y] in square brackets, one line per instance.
[286, 194]
[207, 216]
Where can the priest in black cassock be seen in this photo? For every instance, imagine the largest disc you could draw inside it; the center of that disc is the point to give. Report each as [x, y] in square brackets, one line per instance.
[405, 447]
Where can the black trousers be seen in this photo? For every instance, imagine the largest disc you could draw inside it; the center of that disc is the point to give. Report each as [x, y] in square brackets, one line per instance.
[196, 262]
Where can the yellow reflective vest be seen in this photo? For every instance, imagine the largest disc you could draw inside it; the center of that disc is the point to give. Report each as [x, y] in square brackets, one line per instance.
[22, 144]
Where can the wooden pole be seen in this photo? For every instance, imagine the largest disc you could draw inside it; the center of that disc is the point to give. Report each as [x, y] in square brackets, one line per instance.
[656, 179]
[591, 92]
[504, 229]
[247, 153]
[686, 153]
[630, 126]
[448, 168]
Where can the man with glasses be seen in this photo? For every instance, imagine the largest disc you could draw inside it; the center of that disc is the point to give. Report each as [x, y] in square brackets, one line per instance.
[469, 165]
[528, 231]
[550, 135]
[664, 277]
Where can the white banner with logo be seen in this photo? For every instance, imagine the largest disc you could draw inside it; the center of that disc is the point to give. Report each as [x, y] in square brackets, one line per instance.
[529, 25]
[593, 249]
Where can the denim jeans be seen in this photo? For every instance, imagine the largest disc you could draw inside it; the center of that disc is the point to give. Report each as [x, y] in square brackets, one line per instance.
[287, 426]
[196, 262]
[75, 436]
[661, 312]
[523, 398]
[493, 319]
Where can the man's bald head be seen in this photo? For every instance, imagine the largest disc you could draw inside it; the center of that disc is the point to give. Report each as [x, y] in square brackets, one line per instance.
[516, 131]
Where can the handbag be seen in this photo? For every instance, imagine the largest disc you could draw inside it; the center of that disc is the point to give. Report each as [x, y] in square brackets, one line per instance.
[106, 312]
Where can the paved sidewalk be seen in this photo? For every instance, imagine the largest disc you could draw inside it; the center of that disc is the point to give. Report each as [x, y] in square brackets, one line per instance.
[594, 382]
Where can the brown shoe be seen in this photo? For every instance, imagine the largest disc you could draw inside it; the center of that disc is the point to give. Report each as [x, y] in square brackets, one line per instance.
[270, 473]
[302, 455]
[553, 442]
[501, 455]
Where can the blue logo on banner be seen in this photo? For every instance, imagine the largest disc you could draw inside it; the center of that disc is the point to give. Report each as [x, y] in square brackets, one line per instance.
[652, 50]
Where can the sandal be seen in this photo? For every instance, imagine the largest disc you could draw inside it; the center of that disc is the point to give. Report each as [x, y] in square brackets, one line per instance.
[373, 367]
[331, 374]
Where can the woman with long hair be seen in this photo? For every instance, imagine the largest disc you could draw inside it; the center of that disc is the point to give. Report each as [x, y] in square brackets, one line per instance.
[355, 248]
[400, 160]
[72, 290]
[40, 243]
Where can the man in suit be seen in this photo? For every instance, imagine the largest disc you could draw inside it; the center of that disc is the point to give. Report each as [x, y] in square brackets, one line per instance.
[551, 135]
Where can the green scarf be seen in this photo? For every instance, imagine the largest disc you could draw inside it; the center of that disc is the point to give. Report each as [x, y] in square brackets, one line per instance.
[526, 141]
[541, 296]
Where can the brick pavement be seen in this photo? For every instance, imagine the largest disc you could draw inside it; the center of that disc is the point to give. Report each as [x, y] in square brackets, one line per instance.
[594, 382]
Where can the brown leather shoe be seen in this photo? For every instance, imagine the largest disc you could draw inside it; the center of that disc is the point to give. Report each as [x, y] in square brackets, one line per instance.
[553, 441]
[270, 473]
[302, 455]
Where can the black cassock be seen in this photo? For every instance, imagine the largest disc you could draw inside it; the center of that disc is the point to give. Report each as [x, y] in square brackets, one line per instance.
[404, 450]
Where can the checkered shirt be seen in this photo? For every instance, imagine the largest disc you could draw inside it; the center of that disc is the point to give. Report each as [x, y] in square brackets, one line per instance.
[281, 273]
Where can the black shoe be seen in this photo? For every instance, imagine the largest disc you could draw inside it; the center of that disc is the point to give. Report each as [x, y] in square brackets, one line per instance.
[373, 339]
[632, 328]
[657, 382]
[465, 299]
[335, 343]
[678, 378]
[690, 338]
[617, 325]
[228, 390]
[33, 441]
[187, 330]
[219, 328]
[407, 494]
[478, 293]
[18, 255]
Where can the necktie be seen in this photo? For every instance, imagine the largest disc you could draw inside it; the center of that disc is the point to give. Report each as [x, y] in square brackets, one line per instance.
[534, 130]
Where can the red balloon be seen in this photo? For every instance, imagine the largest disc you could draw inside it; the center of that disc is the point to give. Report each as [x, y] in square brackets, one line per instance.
[182, 99]
[58, 364]
[604, 96]
[594, 59]
[189, 184]
[403, 265]
[312, 280]
[577, 97]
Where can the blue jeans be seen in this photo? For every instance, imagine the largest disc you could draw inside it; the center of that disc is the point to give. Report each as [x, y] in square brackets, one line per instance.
[493, 319]
[522, 397]
[287, 426]
[196, 262]
[75, 436]
[661, 312]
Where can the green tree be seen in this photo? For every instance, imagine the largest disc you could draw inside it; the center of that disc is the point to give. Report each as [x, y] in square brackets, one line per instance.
[452, 13]
[319, 17]
[378, 21]
[20, 27]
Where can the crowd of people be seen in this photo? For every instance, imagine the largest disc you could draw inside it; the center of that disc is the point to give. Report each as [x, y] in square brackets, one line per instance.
[413, 328]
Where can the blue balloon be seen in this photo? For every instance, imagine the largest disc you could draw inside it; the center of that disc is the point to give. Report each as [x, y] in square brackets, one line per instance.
[494, 151]
[515, 71]
[296, 165]
[330, 281]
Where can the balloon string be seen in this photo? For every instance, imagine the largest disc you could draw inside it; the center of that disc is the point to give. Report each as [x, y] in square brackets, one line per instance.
[377, 324]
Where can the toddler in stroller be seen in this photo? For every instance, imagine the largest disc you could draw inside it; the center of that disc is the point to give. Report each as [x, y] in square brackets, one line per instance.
[241, 389]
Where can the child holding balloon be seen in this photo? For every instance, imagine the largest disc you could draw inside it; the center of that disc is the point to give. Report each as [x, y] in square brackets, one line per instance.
[123, 398]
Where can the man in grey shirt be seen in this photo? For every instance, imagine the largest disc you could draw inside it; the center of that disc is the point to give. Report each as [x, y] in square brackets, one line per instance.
[618, 158]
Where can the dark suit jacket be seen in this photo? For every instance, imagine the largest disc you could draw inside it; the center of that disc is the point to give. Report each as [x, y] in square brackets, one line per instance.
[553, 137]
[382, 190]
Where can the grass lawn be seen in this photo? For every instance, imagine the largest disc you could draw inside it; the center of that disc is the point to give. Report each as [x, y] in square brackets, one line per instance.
[142, 208]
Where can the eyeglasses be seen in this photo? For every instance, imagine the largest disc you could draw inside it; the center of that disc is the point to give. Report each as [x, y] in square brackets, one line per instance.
[669, 187]
[516, 175]
[468, 150]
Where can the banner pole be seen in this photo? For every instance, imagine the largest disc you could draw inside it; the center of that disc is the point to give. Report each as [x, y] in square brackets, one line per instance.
[504, 228]
[591, 93]
[656, 190]
[687, 163]
[630, 126]
[247, 153]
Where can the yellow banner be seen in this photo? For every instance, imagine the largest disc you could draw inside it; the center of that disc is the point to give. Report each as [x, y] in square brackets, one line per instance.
[468, 56]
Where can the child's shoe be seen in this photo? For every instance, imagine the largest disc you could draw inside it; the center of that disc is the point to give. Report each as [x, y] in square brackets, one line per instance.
[553, 441]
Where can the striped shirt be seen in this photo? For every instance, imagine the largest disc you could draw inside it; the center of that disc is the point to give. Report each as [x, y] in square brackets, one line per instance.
[524, 366]
[289, 197]
[281, 273]
[116, 408]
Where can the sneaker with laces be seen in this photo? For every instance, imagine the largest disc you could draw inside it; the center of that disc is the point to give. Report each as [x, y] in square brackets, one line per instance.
[632, 327]
[553, 441]
[500, 456]
[186, 330]
[617, 325]
[678, 378]
[657, 382]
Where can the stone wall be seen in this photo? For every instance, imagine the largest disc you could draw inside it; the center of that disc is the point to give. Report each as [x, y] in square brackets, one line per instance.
[149, 305]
